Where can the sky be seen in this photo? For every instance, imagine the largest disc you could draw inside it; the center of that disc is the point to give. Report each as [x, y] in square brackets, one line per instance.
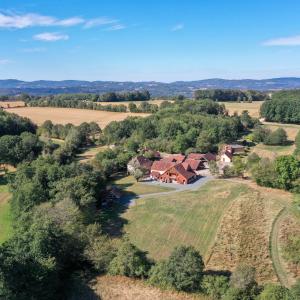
[143, 40]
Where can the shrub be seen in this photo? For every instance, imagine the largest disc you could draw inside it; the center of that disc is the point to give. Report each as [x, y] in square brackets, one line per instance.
[215, 286]
[277, 137]
[182, 271]
[275, 292]
[129, 261]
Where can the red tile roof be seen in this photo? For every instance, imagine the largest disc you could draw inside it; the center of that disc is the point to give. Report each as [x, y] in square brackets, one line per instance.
[162, 165]
[181, 170]
[176, 158]
[198, 156]
[193, 163]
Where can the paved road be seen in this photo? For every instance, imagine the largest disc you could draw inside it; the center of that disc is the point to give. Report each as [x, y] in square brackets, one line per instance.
[130, 200]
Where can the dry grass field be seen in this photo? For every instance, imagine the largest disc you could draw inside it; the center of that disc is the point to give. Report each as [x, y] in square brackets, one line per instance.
[8, 104]
[291, 129]
[253, 107]
[123, 288]
[289, 226]
[71, 115]
[245, 230]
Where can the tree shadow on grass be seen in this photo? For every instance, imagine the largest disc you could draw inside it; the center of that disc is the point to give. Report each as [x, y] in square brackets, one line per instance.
[110, 217]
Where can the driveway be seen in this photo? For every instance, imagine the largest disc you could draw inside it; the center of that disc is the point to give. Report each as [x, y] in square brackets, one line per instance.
[175, 189]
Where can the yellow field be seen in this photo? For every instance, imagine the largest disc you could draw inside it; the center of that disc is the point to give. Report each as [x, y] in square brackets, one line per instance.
[253, 107]
[71, 115]
[8, 104]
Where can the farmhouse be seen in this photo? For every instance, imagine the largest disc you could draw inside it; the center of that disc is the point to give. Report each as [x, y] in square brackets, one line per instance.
[228, 152]
[139, 162]
[226, 157]
[179, 173]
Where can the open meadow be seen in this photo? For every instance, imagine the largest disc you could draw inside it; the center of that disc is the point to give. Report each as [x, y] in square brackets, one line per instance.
[71, 115]
[227, 221]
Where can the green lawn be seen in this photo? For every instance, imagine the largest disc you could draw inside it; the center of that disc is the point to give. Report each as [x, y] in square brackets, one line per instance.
[158, 224]
[129, 185]
[5, 216]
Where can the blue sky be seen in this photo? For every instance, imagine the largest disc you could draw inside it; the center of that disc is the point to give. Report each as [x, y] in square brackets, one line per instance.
[137, 40]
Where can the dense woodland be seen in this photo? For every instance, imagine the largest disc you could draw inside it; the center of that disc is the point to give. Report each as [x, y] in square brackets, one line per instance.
[285, 110]
[59, 241]
[228, 95]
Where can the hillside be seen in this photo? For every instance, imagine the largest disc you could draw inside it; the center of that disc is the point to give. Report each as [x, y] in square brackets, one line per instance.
[44, 87]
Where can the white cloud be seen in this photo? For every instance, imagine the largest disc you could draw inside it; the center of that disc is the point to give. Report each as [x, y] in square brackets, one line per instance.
[284, 41]
[50, 37]
[19, 21]
[99, 22]
[177, 27]
[116, 27]
[33, 50]
[4, 61]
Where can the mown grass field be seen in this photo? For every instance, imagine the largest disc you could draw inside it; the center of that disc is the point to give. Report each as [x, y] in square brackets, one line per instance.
[71, 115]
[129, 185]
[253, 107]
[5, 216]
[228, 221]
[159, 223]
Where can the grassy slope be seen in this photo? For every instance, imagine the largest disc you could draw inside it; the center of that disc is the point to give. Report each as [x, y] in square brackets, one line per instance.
[129, 185]
[5, 216]
[158, 224]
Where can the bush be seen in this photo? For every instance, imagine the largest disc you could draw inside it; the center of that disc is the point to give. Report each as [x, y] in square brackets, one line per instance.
[275, 292]
[182, 271]
[215, 286]
[129, 261]
[277, 137]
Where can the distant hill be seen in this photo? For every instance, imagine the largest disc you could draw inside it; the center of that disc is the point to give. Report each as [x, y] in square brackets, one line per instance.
[45, 87]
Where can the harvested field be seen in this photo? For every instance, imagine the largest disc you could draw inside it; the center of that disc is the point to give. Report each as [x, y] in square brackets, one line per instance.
[10, 104]
[71, 115]
[244, 233]
[123, 288]
[252, 107]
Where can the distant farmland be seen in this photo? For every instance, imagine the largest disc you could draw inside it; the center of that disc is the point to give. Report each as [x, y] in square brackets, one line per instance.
[71, 115]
